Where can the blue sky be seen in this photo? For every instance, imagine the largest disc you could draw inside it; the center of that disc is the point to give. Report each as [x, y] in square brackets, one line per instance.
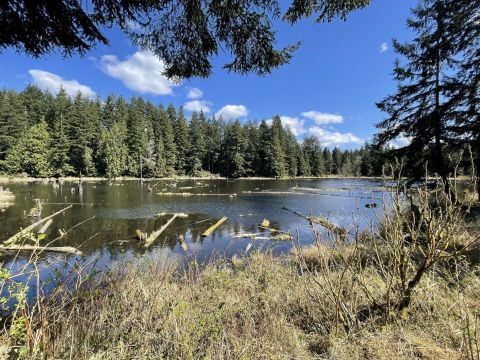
[329, 89]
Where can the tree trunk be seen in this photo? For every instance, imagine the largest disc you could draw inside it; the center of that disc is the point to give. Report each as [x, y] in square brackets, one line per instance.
[441, 166]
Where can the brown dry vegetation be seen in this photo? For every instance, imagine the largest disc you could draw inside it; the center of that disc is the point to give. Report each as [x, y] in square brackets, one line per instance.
[332, 300]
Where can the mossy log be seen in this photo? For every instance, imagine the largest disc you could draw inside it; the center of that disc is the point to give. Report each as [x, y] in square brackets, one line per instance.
[214, 227]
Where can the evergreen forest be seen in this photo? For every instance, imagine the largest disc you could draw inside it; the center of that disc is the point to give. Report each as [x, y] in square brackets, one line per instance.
[43, 135]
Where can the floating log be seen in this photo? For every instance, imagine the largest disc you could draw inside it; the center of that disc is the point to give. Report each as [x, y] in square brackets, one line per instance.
[185, 194]
[29, 228]
[273, 192]
[61, 249]
[214, 227]
[154, 235]
[322, 222]
[247, 236]
[45, 227]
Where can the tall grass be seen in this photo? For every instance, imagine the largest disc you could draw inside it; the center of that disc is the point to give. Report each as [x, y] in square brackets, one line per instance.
[407, 289]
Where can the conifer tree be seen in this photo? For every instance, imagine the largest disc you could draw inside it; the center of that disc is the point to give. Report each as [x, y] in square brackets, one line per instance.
[197, 145]
[113, 150]
[337, 160]
[168, 138]
[233, 150]
[12, 121]
[161, 164]
[181, 139]
[291, 153]
[419, 110]
[213, 139]
[31, 154]
[61, 143]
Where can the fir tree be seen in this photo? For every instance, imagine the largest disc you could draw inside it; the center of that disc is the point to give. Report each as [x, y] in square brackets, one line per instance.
[197, 145]
[61, 143]
[31, 154]
[181, 139]
[419, 110]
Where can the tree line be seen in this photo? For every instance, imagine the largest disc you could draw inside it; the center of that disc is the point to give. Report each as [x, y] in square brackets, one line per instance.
[44, 135]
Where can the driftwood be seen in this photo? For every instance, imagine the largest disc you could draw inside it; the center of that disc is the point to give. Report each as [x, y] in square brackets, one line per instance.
[186, 194]
[61, 249]
[322, 222]
[29, 228]
[214, 227]
[280, 237]
[154, 235]
[45, 227]
[272, 192]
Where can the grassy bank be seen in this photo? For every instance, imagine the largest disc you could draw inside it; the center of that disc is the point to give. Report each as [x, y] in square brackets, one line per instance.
[408, 289]
[256, 307]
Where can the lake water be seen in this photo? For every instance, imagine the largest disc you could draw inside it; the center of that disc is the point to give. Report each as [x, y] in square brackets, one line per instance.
[116, 210]
[120, 208]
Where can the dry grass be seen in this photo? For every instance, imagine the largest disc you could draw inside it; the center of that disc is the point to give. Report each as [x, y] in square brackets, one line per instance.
[259, 307]
[334, 300]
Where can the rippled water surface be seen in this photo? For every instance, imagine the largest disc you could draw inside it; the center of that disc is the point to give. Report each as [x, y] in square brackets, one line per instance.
[116, 210]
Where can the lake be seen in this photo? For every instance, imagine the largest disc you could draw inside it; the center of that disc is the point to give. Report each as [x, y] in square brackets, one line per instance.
[103, 220]
[120, 208]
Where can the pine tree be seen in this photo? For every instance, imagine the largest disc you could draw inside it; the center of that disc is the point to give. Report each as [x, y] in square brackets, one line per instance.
[197, 145]
[161, 164]
[233, 150]
[337, 160]
[420, 110]
[113, 150]
[314, 155]
[291, 154]
[277, 146]
[181, 139]
[464, 33]
[35, 103]
[108, 116]
[168, 138]
[31, 154]
[12, 121]
[61, 143]
[328, 161]
[213, 139]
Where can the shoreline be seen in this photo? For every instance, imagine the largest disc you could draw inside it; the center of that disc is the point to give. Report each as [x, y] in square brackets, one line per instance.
[17, 179]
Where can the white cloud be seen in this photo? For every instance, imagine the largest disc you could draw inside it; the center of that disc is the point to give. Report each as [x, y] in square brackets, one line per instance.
[322, 118]
[383, 47]
[400, 142]
[48, 81]
[333, 138]
[197, 105]
[140, 72]
[294, 123]
[229, 112]
[194, 93]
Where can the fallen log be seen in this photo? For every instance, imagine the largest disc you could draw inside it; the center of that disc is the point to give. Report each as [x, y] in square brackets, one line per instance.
[45, 227]
[61, 249]
[322, 222]
[154, 235]
[247, 236]
[29, 228]
[214, 227]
